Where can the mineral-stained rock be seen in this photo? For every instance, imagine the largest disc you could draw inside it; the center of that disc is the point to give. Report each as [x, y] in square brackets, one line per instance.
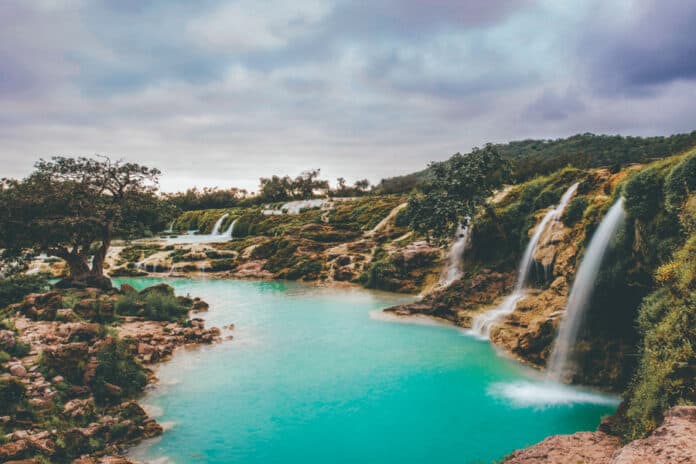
[13, 450]
[18, 370]
[94, 308]
[66, 315]
[581, 447]
[199, 305]
[66, 359]
[79, 330]
[127, 288]
[674, 442]
[7, 339]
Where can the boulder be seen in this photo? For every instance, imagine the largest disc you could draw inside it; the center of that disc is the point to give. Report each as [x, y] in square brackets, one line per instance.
[163, 289]
[7, 340]
[95, 309]
[199, 305]
[67, 359]
[127, 288]
[79, 331]
[13, 450]
[18, 370]
[66, 315]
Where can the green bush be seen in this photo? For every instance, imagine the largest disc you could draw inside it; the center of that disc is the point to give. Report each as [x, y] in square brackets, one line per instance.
[308, 269]
[157, 303]
[117, 366]
[667, 367]
[681, 181]
[643, 193]
[575, 211]
[12, 392]
[16, 287]
[383, 275]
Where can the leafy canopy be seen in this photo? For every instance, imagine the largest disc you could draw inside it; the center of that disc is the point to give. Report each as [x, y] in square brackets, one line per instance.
[457, 188]
[73, 207]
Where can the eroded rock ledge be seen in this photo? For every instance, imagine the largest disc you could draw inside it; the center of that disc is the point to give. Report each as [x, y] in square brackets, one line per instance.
[674, 442]
[69, 410]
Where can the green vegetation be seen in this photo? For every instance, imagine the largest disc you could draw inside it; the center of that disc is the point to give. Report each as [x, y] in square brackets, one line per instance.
[531, 158]
[456, 190]
[116, 366]
[157, 303]
[73, 208]
[667, 318]
[16, 287]
[12, 392]
[501, 230]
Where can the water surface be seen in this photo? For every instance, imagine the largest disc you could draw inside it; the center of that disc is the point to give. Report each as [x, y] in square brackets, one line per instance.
[312, 377]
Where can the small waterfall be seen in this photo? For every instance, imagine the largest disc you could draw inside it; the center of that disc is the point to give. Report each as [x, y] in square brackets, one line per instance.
[582, 289]
[483, 323]
[230, 230]
[171, 227]
[218, 224]
[455, 262]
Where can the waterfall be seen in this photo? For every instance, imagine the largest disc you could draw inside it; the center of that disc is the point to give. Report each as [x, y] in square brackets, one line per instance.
[582, 289]
[218, 224]
[171, 227]
[483, 323]
[230, 230]
[454, 269]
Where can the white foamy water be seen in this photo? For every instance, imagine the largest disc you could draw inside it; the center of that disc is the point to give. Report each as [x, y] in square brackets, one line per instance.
[483, 323]
[581, 291]
[545, 394]
[218, 224]
[455, 257]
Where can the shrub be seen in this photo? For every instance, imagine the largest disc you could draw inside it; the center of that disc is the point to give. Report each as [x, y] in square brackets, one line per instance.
[680, 181]
[308, 269]
[16, 287]
[157, 303]
[12, 392]
[117, 366]
[575, 211]
[667, 321]
[643, 193]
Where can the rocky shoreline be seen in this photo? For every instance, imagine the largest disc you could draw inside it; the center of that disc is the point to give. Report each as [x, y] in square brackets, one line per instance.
[69, 408]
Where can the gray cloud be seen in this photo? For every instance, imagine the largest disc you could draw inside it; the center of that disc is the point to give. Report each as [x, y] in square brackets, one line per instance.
[656, 47]
[219, 93]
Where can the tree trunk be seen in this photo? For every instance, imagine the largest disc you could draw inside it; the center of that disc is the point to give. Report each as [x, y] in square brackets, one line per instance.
[77, 265]
[98, 259]
[81, 275]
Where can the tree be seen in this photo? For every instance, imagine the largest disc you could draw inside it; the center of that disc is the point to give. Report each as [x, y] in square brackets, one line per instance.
[72, 208]
[457, 188]
[275, 188]
[307, 183]
[362, 185]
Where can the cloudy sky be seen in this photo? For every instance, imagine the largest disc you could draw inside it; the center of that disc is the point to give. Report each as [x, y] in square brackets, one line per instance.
[222, 92]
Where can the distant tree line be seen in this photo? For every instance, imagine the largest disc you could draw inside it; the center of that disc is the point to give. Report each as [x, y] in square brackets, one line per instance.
[530, 158]
[306, 185]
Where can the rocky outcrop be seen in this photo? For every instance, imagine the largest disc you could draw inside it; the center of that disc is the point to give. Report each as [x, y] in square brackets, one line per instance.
[62, 377]
[462, 300]
[674, 442]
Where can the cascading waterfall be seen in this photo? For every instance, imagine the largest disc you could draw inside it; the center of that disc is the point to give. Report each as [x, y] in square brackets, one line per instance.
[218, 224]
[230, 230]
[171, 227]
[483, 323]
[582, 290]
[454, 268]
